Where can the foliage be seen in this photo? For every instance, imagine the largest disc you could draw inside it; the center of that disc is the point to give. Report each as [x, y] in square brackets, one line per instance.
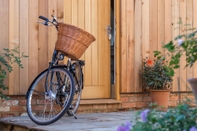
[7, 58]
[157, 74]
[180, 118]
[160, 73]
[185, 44]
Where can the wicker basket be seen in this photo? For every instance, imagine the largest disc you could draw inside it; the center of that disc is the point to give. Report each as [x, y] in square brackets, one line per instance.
[72, 40]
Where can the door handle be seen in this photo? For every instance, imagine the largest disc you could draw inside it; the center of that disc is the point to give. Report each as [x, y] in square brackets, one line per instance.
[109, 29]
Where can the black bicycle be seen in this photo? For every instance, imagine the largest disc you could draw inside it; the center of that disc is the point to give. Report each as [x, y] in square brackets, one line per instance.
[57, 89]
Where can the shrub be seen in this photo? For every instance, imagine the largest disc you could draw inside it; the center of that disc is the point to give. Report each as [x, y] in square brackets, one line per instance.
[180, 118]
[7, 58]
[183, 45]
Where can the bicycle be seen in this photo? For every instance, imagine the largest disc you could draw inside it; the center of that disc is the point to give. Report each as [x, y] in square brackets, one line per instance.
[57, 89]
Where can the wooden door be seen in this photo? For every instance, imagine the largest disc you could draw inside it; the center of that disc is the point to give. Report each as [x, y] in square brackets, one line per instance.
[94, 17]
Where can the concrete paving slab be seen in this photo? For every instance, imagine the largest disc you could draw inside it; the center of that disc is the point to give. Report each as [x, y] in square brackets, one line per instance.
[85, 122]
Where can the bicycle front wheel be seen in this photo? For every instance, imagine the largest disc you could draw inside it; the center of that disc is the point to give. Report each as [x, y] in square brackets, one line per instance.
[50, 96]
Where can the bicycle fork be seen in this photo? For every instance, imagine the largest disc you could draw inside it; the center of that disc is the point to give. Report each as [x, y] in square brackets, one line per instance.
[69, 65]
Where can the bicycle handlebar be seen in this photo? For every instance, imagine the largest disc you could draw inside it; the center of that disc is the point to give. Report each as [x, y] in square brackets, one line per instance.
[53, 22]
[44, 18]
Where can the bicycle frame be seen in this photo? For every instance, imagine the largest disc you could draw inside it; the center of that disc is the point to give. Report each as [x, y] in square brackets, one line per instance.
[55, 59]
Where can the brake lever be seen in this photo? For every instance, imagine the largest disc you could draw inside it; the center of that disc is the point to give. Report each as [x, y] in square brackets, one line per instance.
[54, 21]
[54, 18]
[44, 23]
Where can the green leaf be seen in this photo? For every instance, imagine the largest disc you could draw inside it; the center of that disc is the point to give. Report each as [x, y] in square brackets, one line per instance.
[25, 56]
[156, 53]
[180, 117]
[179, 37]
[176, 66]
[170, 47]
[171, 72]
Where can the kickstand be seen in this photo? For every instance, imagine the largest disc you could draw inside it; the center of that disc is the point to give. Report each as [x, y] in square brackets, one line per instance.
[74, 115]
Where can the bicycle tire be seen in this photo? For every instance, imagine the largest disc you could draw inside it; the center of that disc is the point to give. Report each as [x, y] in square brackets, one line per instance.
[45, 108]
[78, 80]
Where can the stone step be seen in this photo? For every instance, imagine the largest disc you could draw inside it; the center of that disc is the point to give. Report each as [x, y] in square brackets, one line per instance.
[99, 105]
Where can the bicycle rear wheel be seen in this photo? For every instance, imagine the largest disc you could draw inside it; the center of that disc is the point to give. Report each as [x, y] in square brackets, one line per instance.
[78, 80]
[48, 101]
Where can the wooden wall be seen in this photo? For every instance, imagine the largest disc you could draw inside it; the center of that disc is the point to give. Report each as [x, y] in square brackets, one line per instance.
[145, 25]
[19, 28]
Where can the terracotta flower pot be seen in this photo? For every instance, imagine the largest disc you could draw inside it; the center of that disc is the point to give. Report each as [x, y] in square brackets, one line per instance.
[193, 83]
[161, 97]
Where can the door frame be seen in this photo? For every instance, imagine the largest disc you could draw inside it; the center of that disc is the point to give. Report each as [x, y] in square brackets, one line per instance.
[117, 48]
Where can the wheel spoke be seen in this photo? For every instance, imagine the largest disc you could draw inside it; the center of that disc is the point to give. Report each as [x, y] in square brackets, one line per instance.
[38, 92]
[47, 107]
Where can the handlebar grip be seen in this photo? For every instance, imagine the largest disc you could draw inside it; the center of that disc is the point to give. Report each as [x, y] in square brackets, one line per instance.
[44, 18]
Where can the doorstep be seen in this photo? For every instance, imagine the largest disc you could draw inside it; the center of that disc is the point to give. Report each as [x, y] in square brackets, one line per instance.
[99, 105]
[99, 101]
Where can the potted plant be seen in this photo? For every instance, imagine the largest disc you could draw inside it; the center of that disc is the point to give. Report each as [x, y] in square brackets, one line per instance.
[157, 78]
[185, 44]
